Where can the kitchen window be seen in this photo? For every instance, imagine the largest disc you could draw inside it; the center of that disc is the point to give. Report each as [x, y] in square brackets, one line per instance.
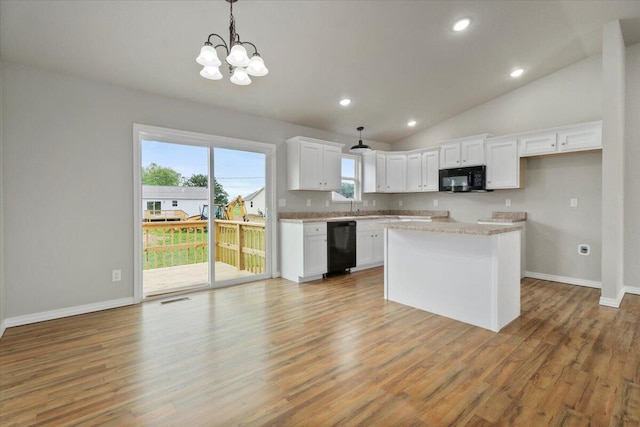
[351, 180]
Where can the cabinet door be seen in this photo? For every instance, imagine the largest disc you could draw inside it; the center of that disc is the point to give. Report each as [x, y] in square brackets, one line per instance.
[503, 164]
[450, 155]
[472, 153]
[315, 255]
[364, 247]
[414, 172]
[542, 143]
[378, 246]
[584, 138]
[381, 173]
[311, 176]
[332, 168]
[396, 172]
[430, 169]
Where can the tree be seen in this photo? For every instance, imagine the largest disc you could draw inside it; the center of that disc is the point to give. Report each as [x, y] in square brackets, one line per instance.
[347, 190]
[202, 180]
[160, 175]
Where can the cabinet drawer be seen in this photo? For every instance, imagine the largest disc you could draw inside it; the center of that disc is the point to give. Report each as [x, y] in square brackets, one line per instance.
[315, 229]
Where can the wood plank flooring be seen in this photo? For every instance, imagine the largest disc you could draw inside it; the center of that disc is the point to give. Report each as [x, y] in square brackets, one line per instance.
[326, 353]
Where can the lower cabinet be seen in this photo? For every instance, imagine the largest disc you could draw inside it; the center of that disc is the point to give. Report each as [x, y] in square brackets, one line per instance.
[369, 243]
[303, 250]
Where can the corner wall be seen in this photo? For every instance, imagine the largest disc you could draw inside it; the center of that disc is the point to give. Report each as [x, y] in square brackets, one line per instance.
[554, 229]
[632, 171]
[613, 162]
[2, 298]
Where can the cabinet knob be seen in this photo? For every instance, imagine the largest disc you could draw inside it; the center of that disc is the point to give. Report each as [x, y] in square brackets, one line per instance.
[553, 145]
[464, 161]
[325, 183]
[457, 161]
[564, 143]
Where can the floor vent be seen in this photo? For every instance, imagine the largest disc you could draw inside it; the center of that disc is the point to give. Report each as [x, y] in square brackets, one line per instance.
[175, 300]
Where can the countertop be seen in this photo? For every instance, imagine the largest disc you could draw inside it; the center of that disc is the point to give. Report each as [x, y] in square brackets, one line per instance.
[307, 217]
[506, 217]
[453, 228]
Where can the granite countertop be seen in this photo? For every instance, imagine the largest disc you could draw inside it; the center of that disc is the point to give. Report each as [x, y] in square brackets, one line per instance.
[304, 217]
[452, 228]
[506, 217]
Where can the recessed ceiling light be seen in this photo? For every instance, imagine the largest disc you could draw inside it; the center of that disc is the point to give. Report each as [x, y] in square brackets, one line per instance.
[411, 123]
[461, 25]
[517, 72]
[345, 102]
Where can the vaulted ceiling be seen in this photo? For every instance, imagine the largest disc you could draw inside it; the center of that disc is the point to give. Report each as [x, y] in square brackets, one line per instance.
[396, 60]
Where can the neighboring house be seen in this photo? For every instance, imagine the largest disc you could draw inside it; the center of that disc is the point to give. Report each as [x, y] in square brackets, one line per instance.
[254, 203]
[167, 198]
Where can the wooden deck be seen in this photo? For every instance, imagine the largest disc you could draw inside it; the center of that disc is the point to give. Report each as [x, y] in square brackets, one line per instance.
[163, 280]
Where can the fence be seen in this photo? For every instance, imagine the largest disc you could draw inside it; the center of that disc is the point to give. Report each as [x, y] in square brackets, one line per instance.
[165, 215]
[237, 243]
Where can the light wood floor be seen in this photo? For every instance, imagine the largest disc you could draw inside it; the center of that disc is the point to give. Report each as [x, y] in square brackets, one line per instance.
[324, 353]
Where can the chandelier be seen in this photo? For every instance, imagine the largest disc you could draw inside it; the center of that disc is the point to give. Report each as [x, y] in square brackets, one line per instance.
[240, 66]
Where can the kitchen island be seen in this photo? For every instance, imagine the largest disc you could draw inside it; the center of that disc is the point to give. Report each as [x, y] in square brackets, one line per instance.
[467, 272]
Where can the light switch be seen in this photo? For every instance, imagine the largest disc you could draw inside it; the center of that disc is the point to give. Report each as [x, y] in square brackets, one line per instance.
[308, 202]
[373, 203]
[400, 202]
[435, 202]
[507, 202]
[365, 203]
[326, 203]
[574, 203]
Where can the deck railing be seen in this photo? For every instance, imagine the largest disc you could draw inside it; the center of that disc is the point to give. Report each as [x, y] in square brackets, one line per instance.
[237, 243]
[165, 215]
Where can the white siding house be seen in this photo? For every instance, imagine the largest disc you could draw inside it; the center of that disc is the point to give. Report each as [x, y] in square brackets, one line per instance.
[188, 199]
[254, 203]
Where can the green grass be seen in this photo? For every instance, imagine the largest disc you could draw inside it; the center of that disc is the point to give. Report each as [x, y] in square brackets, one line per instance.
[175, 257]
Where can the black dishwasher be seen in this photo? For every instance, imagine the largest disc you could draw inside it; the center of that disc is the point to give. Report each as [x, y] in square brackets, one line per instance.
[341, 246]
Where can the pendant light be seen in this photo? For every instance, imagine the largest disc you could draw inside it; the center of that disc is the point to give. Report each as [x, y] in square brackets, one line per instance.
[360, 147]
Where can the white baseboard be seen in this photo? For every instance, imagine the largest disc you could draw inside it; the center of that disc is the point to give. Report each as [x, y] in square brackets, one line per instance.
[632, 290]
[613, 302]
[563, 279]
[368, 266]
[66, 312]
[2, 328]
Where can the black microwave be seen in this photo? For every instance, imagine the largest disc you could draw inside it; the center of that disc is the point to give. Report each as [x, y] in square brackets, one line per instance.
[463, 180]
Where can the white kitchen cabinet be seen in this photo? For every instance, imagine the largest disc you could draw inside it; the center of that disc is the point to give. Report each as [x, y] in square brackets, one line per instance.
[422, 171]
[313, 164]
[369, 243]
[396, 173]
[374, 175]
[504, 166]
[430, 176]
[566, 139]
[414, 172]
[303, 250]
[463, 152]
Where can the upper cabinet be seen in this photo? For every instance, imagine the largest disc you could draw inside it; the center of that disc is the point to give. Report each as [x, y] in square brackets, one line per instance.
[463, 152]
[505, 169]
[313, 164]
[396, 173]
[422, 171]
[374, 166]
[400, 172]
[585, 136]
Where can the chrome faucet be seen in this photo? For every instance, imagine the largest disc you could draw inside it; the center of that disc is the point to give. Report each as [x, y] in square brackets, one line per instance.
[351, 207]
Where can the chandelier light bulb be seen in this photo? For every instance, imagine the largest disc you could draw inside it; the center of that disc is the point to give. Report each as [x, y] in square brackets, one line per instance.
[256, 67]
[240, 77]
[238, 56]
[211, 72]
[208, 57]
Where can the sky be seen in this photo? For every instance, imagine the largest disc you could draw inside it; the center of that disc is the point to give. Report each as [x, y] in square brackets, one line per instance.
[239, 172]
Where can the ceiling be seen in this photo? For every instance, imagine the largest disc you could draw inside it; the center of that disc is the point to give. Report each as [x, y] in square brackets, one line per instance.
[396, 60]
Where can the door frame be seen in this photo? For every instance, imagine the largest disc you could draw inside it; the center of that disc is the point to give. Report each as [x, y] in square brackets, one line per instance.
[146, 132]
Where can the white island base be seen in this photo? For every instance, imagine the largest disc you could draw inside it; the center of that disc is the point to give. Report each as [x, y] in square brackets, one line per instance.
[473, 278]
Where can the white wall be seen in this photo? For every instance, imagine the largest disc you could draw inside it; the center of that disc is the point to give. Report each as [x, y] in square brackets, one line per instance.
[2, 298]
[613, 162]
[632, 171]
[71, 139]
[554, 230]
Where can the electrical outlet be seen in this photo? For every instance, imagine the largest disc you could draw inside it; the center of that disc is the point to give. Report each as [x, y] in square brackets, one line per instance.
[282, 203]
[116, 275]
[584, 249]
[399, 202]
[365, 203]
[326, 203]
[574, 203]
[435, 202]
[373, 203]
[308, 202]
[507, 202]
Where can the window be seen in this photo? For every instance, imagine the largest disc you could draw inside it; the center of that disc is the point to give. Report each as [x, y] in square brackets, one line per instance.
[350, 190]
[174, 203]
[154, 206]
